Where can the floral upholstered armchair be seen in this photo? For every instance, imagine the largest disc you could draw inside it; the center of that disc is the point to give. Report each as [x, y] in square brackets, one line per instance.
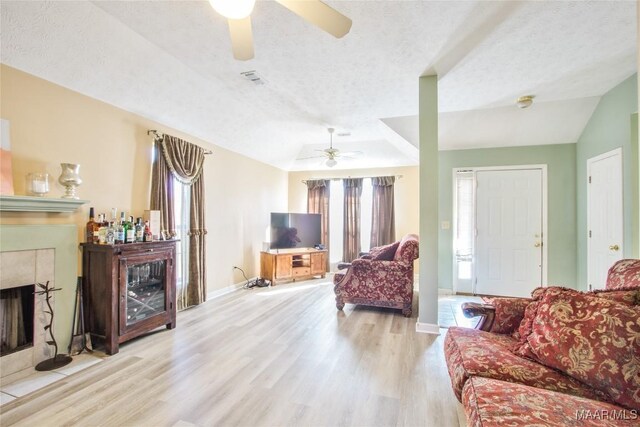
[383, 277]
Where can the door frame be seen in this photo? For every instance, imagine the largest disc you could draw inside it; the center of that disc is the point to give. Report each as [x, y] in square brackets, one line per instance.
[616, 151]
[545, 233]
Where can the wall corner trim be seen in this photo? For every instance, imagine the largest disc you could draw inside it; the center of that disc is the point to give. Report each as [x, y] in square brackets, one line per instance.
[427, 328]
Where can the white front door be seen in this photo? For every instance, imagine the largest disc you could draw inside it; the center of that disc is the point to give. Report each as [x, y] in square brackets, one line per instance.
[509, 232]
[605, 215]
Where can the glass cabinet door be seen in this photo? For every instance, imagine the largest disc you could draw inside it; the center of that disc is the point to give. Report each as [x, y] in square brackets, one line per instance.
[145, 290]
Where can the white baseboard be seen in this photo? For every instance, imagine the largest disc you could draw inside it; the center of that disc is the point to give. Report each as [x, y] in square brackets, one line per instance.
[224, 291]
[427, 328]
[443, 291]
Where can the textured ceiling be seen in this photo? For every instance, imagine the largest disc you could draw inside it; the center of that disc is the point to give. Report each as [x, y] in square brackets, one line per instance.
[171, 61]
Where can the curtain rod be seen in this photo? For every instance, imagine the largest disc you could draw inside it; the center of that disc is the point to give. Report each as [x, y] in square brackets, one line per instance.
[304, 181]
[160, 135]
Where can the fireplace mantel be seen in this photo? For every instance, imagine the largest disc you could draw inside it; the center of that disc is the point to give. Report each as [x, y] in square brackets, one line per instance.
[39, 204]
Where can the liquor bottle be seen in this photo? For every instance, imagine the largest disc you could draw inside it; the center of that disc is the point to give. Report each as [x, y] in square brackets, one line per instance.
[139, 230]
[92, 228]
[102, 230]
[111, 234]
[148, 237]
[120, 229]
[130, 236]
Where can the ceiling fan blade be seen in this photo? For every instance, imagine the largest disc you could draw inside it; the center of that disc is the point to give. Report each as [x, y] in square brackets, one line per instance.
[351, 154]
[321, 15]
[241, 38]
[312, 157]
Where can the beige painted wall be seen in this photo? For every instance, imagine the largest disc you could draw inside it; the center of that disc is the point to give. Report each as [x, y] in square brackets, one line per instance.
[406, 192]
[51, 125]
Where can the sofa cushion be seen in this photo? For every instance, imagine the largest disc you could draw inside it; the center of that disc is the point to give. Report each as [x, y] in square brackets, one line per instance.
[489, 402]
[471, 352]
[626, 296]
[592, 339]
[508, 314]
[521, 348]
[624, 273]
[384, 253]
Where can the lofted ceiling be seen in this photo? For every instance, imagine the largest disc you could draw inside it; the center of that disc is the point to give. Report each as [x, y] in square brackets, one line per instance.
[171, 61]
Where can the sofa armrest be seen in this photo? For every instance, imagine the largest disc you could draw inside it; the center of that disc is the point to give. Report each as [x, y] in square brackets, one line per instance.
[502, 316]
[343, 265]
[486, 312]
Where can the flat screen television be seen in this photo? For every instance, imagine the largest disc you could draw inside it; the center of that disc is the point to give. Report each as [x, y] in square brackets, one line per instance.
[294, 230]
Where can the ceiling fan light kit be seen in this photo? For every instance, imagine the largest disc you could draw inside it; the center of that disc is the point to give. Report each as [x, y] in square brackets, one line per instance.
[238, 14]
[331, 162]
[525, 101]
[233, 9]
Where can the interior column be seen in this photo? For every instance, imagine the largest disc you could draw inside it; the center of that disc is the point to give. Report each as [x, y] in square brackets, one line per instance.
[428, 261]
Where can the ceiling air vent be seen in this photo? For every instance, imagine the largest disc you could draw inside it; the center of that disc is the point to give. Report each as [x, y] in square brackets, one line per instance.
[253, 77]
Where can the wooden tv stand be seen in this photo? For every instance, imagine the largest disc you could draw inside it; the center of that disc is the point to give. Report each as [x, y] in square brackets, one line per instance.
[292, 264]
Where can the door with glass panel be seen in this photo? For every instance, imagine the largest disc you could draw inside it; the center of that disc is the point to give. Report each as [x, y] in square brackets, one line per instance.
[144, 294]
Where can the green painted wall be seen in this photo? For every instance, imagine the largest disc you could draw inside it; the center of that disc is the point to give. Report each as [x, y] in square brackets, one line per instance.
[561, 179]
[609, 128]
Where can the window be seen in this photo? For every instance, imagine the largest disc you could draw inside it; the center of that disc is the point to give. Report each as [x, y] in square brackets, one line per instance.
[336, 209]
[464, 231]
[182, 200]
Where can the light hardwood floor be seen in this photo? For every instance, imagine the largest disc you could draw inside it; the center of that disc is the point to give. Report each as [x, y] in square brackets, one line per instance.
[260, 357]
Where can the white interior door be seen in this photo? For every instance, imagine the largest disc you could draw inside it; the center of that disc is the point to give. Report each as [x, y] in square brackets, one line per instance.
[509, 232]
[605, 215]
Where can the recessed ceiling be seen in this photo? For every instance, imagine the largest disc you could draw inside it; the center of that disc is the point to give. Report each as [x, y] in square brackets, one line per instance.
[172, 62]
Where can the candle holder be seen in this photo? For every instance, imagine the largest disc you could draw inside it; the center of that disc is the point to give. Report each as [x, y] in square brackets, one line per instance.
[70, 179]
[38, 184]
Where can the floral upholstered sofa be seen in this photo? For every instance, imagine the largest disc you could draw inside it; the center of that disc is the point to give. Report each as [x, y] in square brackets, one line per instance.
[560, 358]
[382, 277]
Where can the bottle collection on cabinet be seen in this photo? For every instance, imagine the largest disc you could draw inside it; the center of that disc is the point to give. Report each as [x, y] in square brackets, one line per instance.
[115, 231]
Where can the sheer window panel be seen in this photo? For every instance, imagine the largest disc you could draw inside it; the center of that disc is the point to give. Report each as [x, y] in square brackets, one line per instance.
[465, 224]
[181, 205]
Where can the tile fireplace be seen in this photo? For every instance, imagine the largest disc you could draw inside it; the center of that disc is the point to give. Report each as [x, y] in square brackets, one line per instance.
[31, 254]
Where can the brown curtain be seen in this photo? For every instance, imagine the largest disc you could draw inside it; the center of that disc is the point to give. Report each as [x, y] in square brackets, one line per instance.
[318, 202]
[351, 232]
[179, 159]
[383, 224]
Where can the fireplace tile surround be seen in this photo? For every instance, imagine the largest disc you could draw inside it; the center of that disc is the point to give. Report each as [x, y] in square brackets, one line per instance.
[36, 253]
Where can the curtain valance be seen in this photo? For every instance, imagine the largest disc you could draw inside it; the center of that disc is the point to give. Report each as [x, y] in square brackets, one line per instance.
[184, 160]
[383, 181]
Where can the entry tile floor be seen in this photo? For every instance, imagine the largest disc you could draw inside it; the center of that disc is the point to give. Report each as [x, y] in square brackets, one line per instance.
[450, 311]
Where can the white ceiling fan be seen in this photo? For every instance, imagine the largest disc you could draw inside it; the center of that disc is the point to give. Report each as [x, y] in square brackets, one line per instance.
[333, 154]
[238, 14]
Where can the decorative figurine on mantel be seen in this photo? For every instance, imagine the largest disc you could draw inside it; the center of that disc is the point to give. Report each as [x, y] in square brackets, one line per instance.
[70, 179]
[58, 360]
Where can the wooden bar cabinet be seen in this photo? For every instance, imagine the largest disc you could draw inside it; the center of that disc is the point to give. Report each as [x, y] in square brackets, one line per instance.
[129, 289]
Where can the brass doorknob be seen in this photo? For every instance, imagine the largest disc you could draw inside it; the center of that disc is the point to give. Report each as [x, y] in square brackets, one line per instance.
[537, 244]
[614, 248]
